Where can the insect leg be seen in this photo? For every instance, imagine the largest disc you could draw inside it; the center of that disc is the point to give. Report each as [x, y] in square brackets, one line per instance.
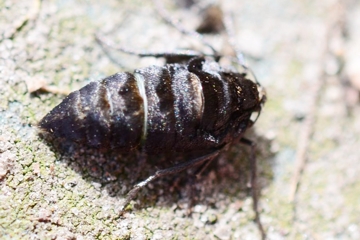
[180, 53]
[202, 168]
[171, 57]
[177, 56]
[253, 182]
[168, 171]
[167, 18]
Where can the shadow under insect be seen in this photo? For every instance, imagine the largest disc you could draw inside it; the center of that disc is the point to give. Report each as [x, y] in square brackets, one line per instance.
[117, 172]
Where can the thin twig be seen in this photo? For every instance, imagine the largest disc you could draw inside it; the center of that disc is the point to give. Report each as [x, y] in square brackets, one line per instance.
[308, 126]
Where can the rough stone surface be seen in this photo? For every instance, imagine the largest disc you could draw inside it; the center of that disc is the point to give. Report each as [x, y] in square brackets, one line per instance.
[46, 194]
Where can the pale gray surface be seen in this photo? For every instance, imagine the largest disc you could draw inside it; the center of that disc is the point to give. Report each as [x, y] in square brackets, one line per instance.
[44, 195]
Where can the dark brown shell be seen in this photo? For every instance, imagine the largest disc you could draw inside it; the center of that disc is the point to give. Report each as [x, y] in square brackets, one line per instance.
[188, 107]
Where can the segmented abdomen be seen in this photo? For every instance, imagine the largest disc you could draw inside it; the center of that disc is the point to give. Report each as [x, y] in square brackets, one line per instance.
[174, 107]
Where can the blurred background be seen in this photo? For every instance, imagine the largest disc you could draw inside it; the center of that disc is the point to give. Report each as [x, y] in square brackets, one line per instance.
[306, 55]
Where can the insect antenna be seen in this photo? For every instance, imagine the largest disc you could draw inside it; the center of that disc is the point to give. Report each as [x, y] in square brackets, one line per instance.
[240, 59]
[229, 28]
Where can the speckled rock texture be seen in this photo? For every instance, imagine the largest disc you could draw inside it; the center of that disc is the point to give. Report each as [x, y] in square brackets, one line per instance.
[72, 192]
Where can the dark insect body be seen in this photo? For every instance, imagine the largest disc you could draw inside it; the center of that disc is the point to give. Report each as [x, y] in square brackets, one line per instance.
[198, 107]
[172, 108]
[195, 107]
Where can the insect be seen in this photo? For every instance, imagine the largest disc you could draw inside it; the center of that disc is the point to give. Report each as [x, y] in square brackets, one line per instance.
[175, 107]
[192, 106]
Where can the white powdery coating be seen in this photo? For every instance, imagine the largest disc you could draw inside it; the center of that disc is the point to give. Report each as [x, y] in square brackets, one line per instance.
[140, 83]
